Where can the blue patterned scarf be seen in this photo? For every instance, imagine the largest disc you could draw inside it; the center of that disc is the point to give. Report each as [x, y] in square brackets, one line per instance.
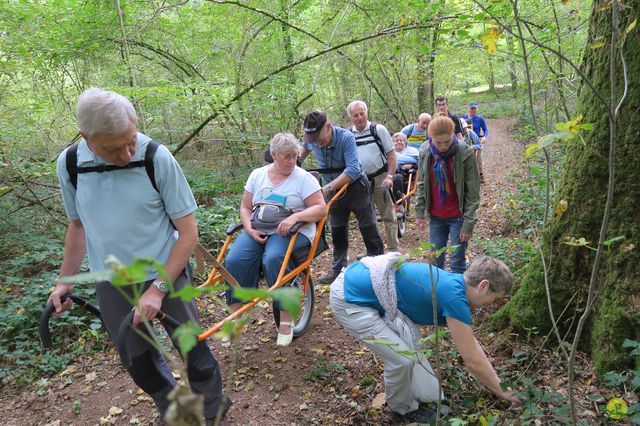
[440, 167]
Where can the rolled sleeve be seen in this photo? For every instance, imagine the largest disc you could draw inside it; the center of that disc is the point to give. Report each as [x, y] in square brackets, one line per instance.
[66, 188]
[352, 164]
[483, 126]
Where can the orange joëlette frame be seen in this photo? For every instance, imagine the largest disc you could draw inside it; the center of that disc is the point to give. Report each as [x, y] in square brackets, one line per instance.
[215, 276]
[412, 186]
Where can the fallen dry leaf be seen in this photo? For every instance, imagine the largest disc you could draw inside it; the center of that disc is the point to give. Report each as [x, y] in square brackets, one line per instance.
[379, 400]
[114, 411]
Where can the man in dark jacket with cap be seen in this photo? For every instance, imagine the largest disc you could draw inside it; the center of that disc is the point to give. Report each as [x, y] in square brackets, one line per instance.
[336, 153]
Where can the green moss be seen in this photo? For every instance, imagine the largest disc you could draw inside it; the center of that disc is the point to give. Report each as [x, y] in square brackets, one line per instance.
[583, 184]
[613, 323]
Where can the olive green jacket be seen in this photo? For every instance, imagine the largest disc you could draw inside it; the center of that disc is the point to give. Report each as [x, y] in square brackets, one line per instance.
[466, 179]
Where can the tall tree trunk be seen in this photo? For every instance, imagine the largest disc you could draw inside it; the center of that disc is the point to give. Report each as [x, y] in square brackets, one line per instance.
[492, 75]
[424, 88]
[291, 103]
[432, 69]
[286, 41]
[512, 67]
[427, 71]
[583, 185]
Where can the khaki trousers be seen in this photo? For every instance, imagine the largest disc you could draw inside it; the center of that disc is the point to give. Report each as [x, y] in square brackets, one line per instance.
[408, 379]
[384, 204]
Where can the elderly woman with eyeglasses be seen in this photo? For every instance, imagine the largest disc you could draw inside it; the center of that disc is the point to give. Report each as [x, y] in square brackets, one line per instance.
[284, 183]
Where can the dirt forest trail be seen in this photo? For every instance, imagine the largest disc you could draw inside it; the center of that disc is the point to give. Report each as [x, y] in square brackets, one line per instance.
[323, 377]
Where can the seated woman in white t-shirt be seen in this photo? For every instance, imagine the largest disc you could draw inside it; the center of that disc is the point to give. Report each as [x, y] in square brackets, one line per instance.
[292, 187]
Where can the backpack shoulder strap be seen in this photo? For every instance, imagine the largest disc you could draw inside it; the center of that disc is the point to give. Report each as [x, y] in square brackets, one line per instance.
[71, 159]
[373, 129]
[152, 147]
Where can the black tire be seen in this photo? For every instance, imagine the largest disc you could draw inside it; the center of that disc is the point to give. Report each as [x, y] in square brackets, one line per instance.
[306, 312]
[402, 224]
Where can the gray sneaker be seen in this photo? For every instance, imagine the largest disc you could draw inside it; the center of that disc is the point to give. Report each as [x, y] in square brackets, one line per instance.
[422, 415]
[329, 278]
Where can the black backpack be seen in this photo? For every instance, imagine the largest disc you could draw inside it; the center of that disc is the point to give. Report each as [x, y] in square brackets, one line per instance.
[373, 129]
[73, 169]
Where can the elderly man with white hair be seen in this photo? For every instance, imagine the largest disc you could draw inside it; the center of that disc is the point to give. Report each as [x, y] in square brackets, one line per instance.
[125, 195]
[378, 158]
[417, 132]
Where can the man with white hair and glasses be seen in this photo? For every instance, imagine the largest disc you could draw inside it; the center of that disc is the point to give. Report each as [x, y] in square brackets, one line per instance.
[378, 159]
[126, 196]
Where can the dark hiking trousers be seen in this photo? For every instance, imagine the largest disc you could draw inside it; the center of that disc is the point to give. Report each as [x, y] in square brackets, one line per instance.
[357, 199]
[146, 365]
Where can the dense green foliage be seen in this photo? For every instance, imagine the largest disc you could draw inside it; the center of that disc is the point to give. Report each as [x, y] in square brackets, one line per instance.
[242, 71]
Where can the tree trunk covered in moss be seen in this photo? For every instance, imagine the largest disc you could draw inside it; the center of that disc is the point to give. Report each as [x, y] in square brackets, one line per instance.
[583, 184]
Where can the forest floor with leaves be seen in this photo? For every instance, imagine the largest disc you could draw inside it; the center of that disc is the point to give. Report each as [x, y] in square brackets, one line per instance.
[326, 376]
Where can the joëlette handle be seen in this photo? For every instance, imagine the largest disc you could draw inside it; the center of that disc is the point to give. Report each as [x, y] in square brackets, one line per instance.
[45, 334]
[125, 328]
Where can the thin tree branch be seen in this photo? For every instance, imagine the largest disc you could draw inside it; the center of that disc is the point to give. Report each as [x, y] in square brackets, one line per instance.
[37, 199]
[392, 90]
[125, 51]
[556, 76]
[533, 113]
[184, 66]
[256, 83]
[314, 37]
[270, 15]
[547, 287]
[585, 80]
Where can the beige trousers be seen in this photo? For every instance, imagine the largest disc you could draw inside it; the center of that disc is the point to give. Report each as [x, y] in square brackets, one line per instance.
[384, 204]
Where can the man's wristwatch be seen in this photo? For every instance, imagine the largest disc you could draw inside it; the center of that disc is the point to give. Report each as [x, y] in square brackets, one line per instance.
[330, 188]
[161, 285]
[390, 177]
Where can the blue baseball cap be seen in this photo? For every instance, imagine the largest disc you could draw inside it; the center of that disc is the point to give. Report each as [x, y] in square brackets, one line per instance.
[473, 105]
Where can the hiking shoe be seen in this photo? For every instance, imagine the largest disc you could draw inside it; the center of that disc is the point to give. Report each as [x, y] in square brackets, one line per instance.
[419, 415]
[212, 422]
[329, 278]
[444, 409]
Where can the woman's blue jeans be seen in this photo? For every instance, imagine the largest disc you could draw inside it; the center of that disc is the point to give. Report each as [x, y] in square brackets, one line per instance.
[247, 257]
[442, 230]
